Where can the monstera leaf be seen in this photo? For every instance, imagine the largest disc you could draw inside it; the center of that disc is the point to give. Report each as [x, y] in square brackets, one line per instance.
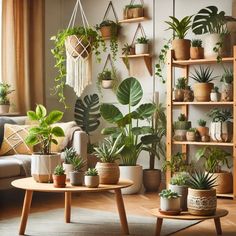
[87, 113]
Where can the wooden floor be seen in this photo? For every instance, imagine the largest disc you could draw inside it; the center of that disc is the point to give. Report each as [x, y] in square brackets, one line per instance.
[11, 203]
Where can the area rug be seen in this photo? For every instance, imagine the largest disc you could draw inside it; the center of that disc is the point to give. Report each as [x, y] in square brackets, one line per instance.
[87, 222]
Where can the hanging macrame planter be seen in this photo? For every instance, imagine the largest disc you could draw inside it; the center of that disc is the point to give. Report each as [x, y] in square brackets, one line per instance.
[78, 55]
[134, 10]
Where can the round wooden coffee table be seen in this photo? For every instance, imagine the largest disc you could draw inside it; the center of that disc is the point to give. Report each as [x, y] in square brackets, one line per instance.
[186, 216]
[30, 185]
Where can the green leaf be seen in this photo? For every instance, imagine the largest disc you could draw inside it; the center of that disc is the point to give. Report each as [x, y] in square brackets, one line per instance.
[111, 130]
[53, 117]
[141, 130]
[149, 139]
[58, 131]
[129, 92]
[31, 139]
[54, 141]
[144, 111]
[32, 115]
[110, 113]
[41, 111]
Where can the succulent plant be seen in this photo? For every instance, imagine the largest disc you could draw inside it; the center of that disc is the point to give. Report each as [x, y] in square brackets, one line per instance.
[181, 83]
[203, 75]
[192, 130]
[70, 154]
[196, 43]
[215, 90]
[201, 181]
[201, 123]
[78, 163]
[180, 179]
[182, 117]
[228, 76]
[167, 193]
[91, 172]
[59, 170]
[142, 40]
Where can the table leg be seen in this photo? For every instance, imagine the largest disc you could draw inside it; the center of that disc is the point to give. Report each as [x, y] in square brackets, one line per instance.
[158, 226]
[25, 211]
[121, 209]
[218, 226]
[67, 206]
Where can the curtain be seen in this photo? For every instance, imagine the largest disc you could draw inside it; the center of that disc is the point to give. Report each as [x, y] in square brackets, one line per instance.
[23, 52]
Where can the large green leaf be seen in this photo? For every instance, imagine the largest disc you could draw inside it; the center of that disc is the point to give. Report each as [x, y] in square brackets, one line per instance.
[41, 111]
[87, 113]
[53, 117]
[58, 131]
[111, 130]
[129, 92]
[32, 115]
[141, 130]
[110, 113]
[144, 111]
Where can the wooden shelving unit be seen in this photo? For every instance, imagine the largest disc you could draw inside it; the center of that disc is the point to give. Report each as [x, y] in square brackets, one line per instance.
[184, 107]
[133, 20]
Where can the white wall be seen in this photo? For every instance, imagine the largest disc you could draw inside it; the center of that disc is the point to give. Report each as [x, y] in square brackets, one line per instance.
[58, 13]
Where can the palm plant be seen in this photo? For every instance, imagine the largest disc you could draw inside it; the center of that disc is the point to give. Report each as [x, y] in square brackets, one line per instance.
[4, 92]
[203, 75]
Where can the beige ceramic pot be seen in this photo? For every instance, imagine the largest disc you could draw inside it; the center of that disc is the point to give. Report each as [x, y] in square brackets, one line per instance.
[202, 91]
[170, 204]
[203, 131]
[4, 109]
[68, 168]
[141, 48]
[196, 53]
[151, 179]
[191, 136]
[181, 49]
[91, 181]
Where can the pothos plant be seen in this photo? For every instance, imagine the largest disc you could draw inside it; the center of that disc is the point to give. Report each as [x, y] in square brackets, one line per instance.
[59, 52]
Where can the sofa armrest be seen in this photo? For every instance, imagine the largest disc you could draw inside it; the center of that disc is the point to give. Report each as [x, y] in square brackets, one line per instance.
[80, 143]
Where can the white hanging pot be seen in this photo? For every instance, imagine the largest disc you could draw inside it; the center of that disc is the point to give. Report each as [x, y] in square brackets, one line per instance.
[221, 131]
[107, 84]
[141, 48]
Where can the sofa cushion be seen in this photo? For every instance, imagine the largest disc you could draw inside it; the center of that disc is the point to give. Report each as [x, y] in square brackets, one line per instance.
[3, 121]
[9, 168]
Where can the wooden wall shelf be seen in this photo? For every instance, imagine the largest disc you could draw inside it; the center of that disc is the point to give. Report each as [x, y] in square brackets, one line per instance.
[133, 20]
[204, 143]
[202, 103]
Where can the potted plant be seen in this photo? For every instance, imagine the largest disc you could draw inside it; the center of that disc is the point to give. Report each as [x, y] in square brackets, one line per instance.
[59, 177]
[91, 178]
[203, 87]
[202, 129]
[76, 36]
[77, 175]
[4, 100]
[196, 49]
[215, 94]
[133, 11]
[181, 126]
[44, 162]
[155, 145]
[178, 184]
[191, 134]
[169, 201]
[209, 20]
[106, 78]
[202, 199]
[128, 49]
[141, 45]
[188, 94]
[221, 125]
[179, 89]
[214, 159]
[108, 152]
[109, 30]
[227, 85]
[180, 45]
[129, 93]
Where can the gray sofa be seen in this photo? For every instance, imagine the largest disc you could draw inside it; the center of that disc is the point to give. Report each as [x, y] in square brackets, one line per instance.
[18, 165]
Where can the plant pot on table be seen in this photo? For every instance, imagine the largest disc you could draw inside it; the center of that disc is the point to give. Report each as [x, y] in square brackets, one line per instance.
[91, 181]
[151, 179]
[77, 178]
[59, 181]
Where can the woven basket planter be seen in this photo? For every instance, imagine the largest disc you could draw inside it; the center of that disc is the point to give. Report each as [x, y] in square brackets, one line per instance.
[224, 182]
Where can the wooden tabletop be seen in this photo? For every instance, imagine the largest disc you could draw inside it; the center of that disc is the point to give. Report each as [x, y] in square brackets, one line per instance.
[186, 216]
[30, 184]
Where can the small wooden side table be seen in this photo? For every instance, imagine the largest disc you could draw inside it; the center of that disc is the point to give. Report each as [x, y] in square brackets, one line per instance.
[186, 216]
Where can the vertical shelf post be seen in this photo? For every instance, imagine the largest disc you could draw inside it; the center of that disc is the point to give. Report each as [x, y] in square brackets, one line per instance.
[234, 123]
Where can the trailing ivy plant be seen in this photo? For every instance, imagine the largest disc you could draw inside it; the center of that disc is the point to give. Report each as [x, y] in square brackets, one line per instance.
[59, 51]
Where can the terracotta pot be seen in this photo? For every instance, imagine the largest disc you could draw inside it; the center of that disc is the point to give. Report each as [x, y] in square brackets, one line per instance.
[203, 131]
[178, 95]
[141, 48]
[183, 192]
[181, 49]
[202, 202]
[91, 181]
[227, 92]
[151, 179]
[106, 32]
[196, 53]
[107, 84]
[202, 91]
[76, 178]
[191, 136]
[4, 109]
[170, 204]
[215, 97]
[68, 168]
[109, 173]
[59, 181]
[221, 131]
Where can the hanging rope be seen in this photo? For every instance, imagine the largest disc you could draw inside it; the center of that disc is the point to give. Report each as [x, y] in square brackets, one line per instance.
[141, 29]
[109, 60]
[133, 1]
[110, 7]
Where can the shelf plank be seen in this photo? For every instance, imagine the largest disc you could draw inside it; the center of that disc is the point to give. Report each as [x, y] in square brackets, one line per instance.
[203, 143]
[137, 55]
[226, 195]
[203, 103]
[132, 20]
[181, 63]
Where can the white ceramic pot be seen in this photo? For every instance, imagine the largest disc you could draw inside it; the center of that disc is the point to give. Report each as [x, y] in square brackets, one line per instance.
[107, 84]
[183, 193]
[76, 178]
[215, 97]
[221, 131]
[91, 181]
[68, 168]
[171, 204]
[43, 166]
[4, 109]
[141, 48]
[135, 174]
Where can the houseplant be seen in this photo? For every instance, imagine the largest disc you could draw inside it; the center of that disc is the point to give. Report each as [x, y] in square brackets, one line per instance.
[214, 159]
[91, 40]
[59, 177]
[203, 87]
[178, 184]
[215, 94]
[5, 90]
[133, 11]
[191, 134]
[141, 45]
[227, 85]
[180, 45]
[91, 178]
[155, 145]
[69, 155]
[44, 162]
[179, 89]
[129, 93]
[128, 49]
[106, 79]
[202, 129]
[77, 175]
[109, 30]
[169, 201]
[181, 126]
[201, 194]
[188, 94]
[196, 49]
[108, 152]
[221, 125]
